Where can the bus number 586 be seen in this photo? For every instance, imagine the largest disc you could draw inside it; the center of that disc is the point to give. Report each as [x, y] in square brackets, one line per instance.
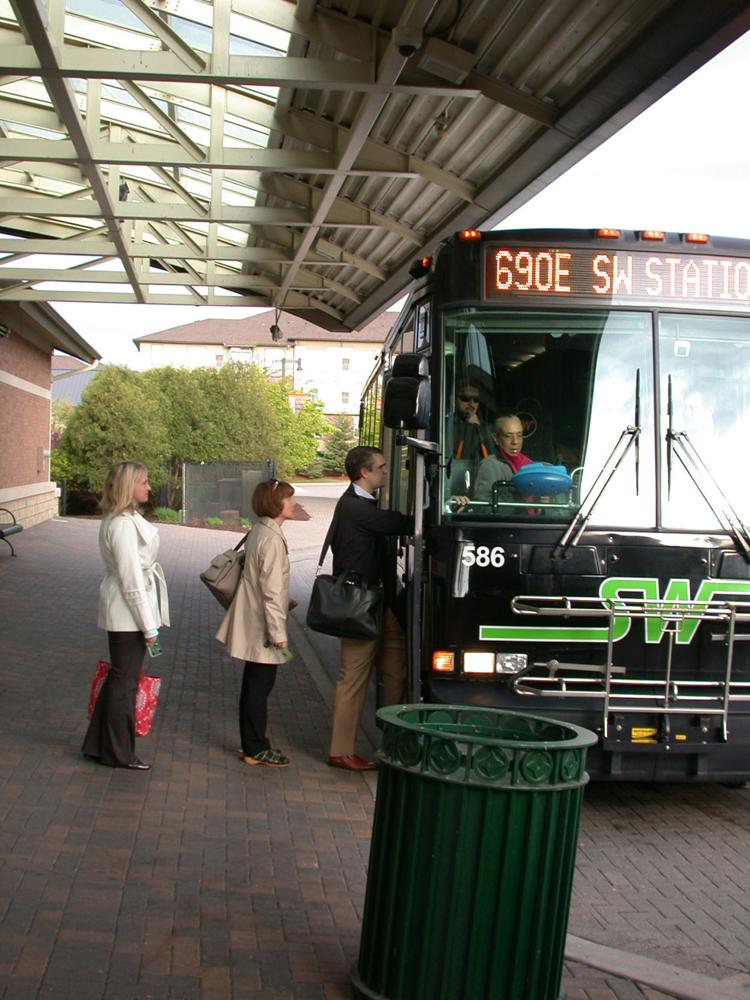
[482, 556]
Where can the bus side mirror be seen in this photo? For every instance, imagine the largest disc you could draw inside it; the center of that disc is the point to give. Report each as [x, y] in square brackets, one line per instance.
[407, 395]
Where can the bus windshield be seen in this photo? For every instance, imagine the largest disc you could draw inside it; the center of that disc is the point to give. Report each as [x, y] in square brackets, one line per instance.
[705, 370]
[574, 390]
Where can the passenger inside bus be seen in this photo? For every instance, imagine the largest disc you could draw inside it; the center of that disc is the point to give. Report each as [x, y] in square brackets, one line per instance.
[471, 435]
[507, 458]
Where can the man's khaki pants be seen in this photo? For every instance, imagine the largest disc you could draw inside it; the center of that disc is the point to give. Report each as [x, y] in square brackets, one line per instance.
[358, 656]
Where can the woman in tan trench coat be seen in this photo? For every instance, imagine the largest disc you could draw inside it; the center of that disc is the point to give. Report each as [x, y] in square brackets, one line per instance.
[254, 627]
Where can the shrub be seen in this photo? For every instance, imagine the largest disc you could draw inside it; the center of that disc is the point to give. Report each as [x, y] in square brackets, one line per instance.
[338, 442]
[315, 469]
[167, 514]
[245, 522]
[213, 522]
[61, 467]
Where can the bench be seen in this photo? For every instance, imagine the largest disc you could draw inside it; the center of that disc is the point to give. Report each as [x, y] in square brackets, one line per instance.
[9, 529]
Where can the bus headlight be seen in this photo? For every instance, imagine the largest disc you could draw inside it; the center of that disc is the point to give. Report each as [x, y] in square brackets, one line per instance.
[511, 663]
[494, 663]
[479, 663]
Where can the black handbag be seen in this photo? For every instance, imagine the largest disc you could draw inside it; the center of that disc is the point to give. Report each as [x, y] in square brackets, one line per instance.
[345, 605]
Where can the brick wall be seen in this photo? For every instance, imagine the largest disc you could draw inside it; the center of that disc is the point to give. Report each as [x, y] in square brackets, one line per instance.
[25, 420]
[22, 358]
[32, 510]
[25, 436]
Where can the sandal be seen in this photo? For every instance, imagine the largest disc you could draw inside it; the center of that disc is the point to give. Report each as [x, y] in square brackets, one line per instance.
[270, 757]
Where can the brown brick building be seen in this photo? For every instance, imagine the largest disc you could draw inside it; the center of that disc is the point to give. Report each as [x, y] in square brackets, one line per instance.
[29, 332]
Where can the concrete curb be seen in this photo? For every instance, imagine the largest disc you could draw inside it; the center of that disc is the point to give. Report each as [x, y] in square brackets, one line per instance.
[670, 979]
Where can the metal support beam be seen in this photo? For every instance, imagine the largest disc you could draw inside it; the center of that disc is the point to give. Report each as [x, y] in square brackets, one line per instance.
[31, 18]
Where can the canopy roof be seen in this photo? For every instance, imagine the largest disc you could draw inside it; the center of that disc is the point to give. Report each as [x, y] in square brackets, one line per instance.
[301, 155]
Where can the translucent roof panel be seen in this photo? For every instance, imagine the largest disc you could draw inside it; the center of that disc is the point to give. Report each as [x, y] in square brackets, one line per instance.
[300, 154]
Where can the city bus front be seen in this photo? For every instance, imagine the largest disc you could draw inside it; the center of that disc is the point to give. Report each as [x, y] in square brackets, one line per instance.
[585, 551]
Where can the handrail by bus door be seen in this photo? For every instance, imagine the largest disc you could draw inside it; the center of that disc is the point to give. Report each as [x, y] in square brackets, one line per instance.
[414, 613]
[419, 448]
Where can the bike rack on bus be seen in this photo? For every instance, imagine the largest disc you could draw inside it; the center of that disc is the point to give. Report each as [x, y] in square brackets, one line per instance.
[673, 697]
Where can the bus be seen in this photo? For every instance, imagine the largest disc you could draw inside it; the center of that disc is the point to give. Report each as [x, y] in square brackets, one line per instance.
[603, 577]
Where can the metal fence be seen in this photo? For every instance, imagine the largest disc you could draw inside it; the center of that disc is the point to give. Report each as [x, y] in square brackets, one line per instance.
[223, 489]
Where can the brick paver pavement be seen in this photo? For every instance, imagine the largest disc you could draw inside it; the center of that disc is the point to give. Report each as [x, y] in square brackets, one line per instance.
[202, 879]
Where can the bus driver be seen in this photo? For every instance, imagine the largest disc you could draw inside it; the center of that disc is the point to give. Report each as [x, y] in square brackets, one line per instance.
[507, 458]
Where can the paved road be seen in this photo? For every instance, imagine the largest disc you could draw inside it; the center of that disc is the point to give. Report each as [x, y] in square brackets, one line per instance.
[206, 880]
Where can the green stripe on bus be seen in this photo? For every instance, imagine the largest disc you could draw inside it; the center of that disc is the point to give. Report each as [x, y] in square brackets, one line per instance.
[530, 633]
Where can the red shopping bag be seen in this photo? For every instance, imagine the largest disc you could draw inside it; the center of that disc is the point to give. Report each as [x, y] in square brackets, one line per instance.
[146, 697]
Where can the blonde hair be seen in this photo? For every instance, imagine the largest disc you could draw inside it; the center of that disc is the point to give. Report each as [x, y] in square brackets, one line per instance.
[117, 495]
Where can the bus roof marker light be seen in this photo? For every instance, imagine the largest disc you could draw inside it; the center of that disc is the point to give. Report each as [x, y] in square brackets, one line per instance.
[420, 267]
[470, 235]
[442, 661]
[696, 237]
[608, 234]
[655, 235]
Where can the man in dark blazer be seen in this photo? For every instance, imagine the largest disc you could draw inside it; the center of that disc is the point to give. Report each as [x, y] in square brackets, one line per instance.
[359, 544]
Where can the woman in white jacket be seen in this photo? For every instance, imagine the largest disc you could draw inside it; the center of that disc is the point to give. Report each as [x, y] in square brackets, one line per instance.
[254, 627]
[133, 605]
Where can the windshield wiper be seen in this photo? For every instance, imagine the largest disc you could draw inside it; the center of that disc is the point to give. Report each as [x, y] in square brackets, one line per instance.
[628, 438]
[670, 434]
[679, 443]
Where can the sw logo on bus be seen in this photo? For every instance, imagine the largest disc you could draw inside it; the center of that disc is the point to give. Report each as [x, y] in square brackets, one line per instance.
[615, 589]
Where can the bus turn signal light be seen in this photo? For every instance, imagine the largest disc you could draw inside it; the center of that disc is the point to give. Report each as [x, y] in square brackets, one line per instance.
[652, 234]
[696, 237]
[608, 234]
[442, 661]
[470, 235]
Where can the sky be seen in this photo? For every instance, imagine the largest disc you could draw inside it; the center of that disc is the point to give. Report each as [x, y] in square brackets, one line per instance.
[683, 165]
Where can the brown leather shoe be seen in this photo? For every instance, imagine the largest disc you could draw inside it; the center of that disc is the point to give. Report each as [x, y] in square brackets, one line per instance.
[351, 762]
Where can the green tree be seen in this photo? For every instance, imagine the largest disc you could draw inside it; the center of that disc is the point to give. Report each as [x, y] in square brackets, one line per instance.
[338, 442]
[115, 421]
[248, 416]
[185, 412]
[60, 413]
[60, 464]
[306, 433]
[251, 419]
[168, 416]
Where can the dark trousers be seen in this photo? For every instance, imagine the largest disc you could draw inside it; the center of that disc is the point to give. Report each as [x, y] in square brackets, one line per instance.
[111, 733]
[258, 680]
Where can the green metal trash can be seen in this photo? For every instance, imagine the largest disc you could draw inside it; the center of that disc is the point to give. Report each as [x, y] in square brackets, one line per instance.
[472, 855]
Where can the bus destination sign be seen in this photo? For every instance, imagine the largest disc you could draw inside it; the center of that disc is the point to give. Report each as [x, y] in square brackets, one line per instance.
[616, 276]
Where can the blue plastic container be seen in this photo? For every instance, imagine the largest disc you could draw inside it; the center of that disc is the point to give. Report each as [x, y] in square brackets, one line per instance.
[541, 479]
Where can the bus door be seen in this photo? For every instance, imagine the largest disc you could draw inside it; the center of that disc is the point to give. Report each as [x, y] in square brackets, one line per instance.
[407, 492]
[398, 494]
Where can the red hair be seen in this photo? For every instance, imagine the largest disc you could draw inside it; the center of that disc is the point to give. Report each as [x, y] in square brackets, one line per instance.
[269, 497]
